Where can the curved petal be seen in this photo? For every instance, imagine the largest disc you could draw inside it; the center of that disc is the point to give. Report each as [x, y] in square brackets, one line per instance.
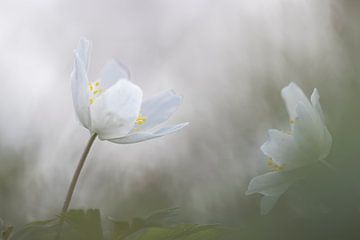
[114, 112]
[272, 185]
[159, 108]
[84, 51]
[292, 95]
[310, 133]
[79, 87]
[267, 203]
[143, 136]
[283, 150]
[316, 104]
[326, 144]
[112, 72]
[310, 129]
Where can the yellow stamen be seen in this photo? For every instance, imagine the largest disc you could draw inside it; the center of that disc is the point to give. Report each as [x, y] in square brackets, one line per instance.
[273, 166]
[291, 121]
[140, 120]
[95, 90]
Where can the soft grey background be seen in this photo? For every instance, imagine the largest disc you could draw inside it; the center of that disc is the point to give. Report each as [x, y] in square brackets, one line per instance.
[229, 59]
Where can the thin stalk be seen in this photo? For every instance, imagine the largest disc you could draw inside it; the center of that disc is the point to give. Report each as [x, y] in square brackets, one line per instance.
[73, 183]
[77, 174]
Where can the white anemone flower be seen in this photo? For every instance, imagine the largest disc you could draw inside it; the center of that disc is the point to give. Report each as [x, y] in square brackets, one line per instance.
[112, 106]
[291, 153]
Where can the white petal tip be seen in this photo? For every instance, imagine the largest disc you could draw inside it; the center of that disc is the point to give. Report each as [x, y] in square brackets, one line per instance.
[185, 124]
[290, 87]
[172, 91]
[84, 40]
[250, 189]
[247, 193]
[172, 129]
[315, 96]
[263, 148]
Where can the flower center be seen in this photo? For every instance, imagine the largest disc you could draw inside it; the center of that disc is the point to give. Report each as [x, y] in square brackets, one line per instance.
[95, 90]
[273, 166]
[140, 120]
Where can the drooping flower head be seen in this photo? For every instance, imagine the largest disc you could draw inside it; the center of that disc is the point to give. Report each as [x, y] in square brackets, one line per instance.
[290, 153]
[112, 105]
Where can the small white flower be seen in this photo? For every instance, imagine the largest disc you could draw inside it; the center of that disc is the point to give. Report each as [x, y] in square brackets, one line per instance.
[291, 153]
[112, 106]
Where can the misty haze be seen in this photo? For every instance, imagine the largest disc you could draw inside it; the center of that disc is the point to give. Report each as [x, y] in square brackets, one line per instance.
[229, 60]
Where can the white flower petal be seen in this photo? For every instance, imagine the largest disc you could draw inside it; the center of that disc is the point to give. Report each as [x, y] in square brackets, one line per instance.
[316, 104]
[159, 108]
[114, 112]
[326, 147]
[84, 52]
[79, 87]
[293, 95]
[143, 136]
[308, 142]
[310, 133]
[271, 184]
[267, 203]
[283, 150]
[113, 72]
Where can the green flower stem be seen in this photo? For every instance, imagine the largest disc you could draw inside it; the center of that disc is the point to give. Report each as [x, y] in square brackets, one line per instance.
[77, 174]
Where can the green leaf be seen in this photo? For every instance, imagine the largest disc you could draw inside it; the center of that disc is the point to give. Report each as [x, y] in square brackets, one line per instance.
[181, 232]
[82, 225]
[164, 217]
[40, 230]
[77, 225]
[160, 225]
[160, 218]
[120, 229]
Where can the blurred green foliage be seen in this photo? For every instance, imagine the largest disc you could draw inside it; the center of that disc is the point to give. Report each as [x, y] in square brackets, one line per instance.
[324, 206]
[87, 225]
